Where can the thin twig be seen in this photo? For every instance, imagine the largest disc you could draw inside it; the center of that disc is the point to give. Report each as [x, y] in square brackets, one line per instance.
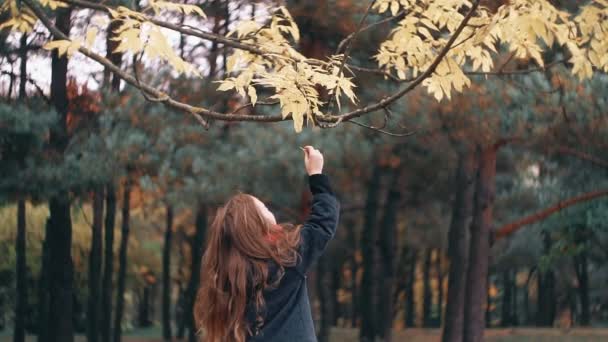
[399, 135]
[368, 27]
[348, 49]
[31, 81]
[265, 103]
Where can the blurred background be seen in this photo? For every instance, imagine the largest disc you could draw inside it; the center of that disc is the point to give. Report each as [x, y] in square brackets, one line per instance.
[137, 183]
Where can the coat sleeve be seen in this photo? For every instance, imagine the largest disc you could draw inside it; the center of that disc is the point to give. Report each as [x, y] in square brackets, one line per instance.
[320, 227]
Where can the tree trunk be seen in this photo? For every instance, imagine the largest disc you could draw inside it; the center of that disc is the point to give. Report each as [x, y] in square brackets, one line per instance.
[195, 273]
[388, 247]
[180, 316]
[20, 247]
[427, 296]
[167, 335]
[410, 317]
[43, 288]
[110, 79]
[507, 300]
[439, 288]
[477, 271]
[457, 248]
[61, 269]
[369, 241]
[546, 306]
[582, 273]
[95, 267]
[108, 270]
[122, 267]
[514, 304]
[21, 271]
[144, 308]
[335, 279]
[323, 290]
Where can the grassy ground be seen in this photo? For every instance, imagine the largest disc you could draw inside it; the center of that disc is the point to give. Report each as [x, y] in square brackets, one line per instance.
[420, 335]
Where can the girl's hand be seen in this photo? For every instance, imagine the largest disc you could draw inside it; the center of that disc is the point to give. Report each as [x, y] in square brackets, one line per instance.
[313, 160]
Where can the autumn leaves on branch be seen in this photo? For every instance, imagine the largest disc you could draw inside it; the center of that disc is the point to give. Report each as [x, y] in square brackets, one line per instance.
[434, 43]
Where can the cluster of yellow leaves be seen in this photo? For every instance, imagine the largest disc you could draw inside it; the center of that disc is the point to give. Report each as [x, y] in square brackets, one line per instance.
[293, 78]
[137, 34]
[526, 27]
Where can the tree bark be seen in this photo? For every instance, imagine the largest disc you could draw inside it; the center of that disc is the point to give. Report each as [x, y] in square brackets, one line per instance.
[167, 335]
[582, 274]
[546, 306]
[108, 270]
[410, 317]
[21, 271]
[506, 319]
[43, 288]
[61, 269]
[477, 271]
[439, 288]
[369, 241]
[387, 247]
[20, 243]
[195, 273]
[323, 291]
[427, 296]
[122, 267]
[95, 267]
[457, 248]
[144, 308]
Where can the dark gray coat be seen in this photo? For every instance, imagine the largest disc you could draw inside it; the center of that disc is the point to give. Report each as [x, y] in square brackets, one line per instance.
[287, 316]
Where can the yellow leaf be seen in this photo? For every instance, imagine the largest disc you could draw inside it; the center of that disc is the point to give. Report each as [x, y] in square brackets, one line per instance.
[91, 34]
[252, 95]
[62, 46]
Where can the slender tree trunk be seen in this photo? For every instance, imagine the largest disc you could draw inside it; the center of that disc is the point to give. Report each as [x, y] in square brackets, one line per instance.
[427, 295]
[335, 278]
[507, 300]
[61, 277]
[583, 287]
[462, 207]
[122, 267]
[20, 243]
[546, 306]
[21, 271]
[369, 240]
[323, 290]
[439, 288]
[388, 248]
[108, 270]
[410, 317]
[526, 304]
[180, 316]
[354, 269]
[167, 335]
[43, 288]
[144, 308]
[110, 79]
[515, 303]
[195, 273]
[477, 272]
[95, 267]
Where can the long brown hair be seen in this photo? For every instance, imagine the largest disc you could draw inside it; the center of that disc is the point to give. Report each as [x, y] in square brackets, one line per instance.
[240, 244]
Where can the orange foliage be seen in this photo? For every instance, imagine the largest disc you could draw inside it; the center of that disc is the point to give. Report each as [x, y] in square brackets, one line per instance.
[84, 105]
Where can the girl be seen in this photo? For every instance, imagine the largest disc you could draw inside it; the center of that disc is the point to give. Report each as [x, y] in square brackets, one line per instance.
[254, 271]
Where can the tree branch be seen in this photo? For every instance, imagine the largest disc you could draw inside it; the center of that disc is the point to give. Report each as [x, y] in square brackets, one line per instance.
[197, 112]
[388, 100]
[512, 227]
[182, 29]
[582, 156]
